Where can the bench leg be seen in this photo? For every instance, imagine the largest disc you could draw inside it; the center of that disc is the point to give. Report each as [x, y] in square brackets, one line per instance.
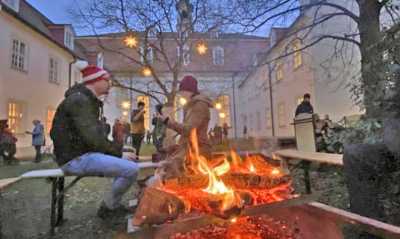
[53, 205]
[307, 180]
[60, 201]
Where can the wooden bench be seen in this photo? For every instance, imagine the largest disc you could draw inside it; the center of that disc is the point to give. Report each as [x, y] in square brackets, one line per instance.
[306, 158]
[58, 189]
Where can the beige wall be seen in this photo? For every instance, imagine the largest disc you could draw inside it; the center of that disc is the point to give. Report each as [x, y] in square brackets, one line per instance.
[32, 88]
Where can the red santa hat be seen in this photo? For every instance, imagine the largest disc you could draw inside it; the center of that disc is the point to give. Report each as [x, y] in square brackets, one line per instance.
[91, 74]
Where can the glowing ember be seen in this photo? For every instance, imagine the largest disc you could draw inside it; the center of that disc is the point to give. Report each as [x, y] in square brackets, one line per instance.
[243, 228]
[275, 172]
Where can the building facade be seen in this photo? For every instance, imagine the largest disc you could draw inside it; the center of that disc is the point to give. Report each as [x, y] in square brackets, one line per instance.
[36, 59]
[320, 70]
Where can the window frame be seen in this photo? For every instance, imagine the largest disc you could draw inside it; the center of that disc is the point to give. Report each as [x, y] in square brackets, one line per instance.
[15, 57]
[297, 56]
[218, 56]
[54, 72]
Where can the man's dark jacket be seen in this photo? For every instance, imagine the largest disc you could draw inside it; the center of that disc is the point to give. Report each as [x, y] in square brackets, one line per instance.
[304, 107]
[77, 127]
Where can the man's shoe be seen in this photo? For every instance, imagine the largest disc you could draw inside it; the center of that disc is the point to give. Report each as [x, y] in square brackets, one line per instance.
[104, 212]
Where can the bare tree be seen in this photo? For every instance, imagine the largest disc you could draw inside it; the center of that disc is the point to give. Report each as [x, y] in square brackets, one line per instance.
[155, 37]
[364, 15]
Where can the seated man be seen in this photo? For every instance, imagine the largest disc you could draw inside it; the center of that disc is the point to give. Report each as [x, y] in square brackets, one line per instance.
[80, 143]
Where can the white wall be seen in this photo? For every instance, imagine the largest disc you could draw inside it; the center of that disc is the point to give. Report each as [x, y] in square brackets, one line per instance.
[31, 87]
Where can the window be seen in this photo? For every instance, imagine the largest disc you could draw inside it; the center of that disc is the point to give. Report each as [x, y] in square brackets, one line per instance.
[19, 57]
[186, 55]
[214, 34]
[298, 58]
[69, 39]
[54, 71]
[15, 116]
[49, 119]
[149, 55]
[299, 99]
[279, 71]
[281, 115]
[218, 55]
[13, 4]
[224, 115]
[152, 33]
[100, 59]
[146, 101]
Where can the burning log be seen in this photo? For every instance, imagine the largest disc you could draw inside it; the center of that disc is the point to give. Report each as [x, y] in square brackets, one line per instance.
[157, 206]
[249, 180]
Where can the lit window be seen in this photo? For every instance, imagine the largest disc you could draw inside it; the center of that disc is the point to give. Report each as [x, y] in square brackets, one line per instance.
[49, 119]
[224, 110]
[298, 58]
[218, 56]
[146, 101]
[281, 115]
[299, 100]
[19, 57]
[53, 71]
[15, 116]
[279, 71]
[100, 59]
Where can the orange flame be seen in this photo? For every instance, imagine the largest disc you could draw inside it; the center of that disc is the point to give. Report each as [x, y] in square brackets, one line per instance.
[215, 185]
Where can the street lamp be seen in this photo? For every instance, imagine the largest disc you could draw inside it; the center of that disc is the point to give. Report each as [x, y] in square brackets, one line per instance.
[218, 106]
[125, 113]
[131, 41]
[222, 115]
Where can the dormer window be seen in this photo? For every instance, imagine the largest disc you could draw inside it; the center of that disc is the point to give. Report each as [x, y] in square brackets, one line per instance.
[100, 59]
[69, 38]
[13, 4]
[215, 34]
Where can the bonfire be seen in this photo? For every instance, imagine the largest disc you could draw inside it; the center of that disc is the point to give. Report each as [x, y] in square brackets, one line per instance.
[221, 186]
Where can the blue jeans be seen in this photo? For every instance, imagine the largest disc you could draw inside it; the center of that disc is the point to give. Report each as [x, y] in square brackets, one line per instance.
[102, 165]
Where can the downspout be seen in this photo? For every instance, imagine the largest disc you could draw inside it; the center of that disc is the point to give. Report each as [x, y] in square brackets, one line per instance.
[234, 103]
[271, 99]
[70, 72]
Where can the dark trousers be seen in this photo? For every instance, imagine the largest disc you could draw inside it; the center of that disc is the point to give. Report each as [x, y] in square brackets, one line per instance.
[137, 142]
[38, 153]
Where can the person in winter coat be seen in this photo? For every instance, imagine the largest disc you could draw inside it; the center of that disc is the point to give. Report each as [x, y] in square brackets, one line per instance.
[8, 141]
[118, 132]
[196, 116]
[305, 106]
[159, 130]
[138, 129]
[38, 139]
[82, 148]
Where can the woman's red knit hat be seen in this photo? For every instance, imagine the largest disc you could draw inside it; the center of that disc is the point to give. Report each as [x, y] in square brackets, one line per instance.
[189, 83]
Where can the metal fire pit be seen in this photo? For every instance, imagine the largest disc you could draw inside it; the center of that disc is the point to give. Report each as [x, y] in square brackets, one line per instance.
[315, 221]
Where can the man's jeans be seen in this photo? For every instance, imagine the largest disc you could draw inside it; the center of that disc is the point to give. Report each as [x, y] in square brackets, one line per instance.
[102, 165]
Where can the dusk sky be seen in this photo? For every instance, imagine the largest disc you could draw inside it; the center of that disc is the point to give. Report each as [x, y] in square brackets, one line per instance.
[57, 11]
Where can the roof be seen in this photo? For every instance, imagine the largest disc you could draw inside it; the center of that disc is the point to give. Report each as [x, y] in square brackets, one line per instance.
[38, 22]
[195, 35]
[239, 52]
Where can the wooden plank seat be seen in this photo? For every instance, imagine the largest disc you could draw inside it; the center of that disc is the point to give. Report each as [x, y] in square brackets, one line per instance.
[57, 178]
[306, 158]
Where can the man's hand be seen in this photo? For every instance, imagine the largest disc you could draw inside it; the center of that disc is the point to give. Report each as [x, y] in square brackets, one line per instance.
[129, 156]
[163, 118]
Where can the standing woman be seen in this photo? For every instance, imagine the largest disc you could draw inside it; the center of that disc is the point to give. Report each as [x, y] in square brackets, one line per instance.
[38, 139]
